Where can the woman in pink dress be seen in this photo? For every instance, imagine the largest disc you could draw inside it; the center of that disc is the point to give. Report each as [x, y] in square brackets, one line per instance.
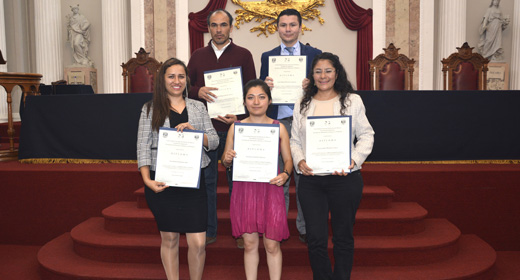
[258, 209]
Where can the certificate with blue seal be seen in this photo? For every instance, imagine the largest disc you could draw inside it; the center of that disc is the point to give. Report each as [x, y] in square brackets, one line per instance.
[256, 147]
[179, 156]
[328, 143]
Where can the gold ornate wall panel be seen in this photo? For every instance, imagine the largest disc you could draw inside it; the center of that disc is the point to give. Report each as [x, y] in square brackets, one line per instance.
[268, 10]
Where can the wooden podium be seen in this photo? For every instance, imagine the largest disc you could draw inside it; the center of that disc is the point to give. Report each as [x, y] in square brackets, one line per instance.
[29, 83]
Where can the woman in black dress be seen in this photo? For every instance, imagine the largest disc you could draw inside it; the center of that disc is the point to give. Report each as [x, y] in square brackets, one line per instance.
[175, 210]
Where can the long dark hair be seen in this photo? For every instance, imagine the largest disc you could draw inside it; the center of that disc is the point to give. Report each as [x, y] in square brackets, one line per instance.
[342, 85]
[161, 102]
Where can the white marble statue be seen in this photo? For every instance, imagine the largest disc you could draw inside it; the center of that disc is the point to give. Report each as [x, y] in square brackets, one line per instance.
[490, 43]
[78, 28]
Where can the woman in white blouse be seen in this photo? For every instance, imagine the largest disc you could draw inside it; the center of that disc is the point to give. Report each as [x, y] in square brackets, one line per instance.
[329, 93]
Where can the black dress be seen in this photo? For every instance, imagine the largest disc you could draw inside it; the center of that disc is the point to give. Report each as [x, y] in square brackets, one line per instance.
[179, 209]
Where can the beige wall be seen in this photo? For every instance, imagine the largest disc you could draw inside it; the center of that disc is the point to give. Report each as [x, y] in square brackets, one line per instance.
[19, 56]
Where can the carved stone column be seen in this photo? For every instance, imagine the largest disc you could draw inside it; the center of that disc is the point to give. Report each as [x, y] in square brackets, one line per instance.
[452, 31]
[426, 45]
[379, 27]
[3, 67]
[515, 50]
[137, 24]
[115, 44]
[48, 33]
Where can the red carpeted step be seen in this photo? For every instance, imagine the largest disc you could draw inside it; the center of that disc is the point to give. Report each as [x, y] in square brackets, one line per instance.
[400, 218]
[58, 261]
[438, 241]
[141, 200]
[92, 241]
[125, 217]
[474, 260]
[374, 197]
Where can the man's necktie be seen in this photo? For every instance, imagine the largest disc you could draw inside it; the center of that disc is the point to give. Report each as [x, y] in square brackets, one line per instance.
[290, 50]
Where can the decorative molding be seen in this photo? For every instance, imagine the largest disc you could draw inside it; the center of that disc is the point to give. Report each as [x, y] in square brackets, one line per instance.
[270, 9]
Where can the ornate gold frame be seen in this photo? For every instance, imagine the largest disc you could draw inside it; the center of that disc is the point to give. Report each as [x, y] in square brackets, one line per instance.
[269, 10]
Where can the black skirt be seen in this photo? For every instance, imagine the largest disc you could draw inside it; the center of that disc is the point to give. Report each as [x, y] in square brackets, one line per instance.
[179, 209]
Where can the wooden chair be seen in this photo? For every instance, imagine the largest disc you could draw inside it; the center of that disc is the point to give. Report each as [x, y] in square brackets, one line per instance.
[2, 61]
[391, 70]
[139, 72]
[465, 70]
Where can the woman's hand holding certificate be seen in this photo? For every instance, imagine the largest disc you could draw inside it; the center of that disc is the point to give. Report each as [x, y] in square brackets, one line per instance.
[328, 145]
[179, 154]
[256, 147]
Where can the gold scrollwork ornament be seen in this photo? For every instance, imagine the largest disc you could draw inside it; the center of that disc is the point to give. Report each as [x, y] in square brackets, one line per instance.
[269, 10]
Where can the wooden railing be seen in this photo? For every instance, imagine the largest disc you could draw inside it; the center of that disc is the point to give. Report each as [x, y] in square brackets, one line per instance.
[29, 83]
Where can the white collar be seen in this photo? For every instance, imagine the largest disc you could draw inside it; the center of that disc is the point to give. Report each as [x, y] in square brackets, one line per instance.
[218, 52]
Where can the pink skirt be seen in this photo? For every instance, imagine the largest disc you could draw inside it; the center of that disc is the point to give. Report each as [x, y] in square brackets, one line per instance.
[258, 207]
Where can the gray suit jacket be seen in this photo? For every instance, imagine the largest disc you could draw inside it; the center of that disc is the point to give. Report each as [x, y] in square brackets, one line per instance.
[147, 139]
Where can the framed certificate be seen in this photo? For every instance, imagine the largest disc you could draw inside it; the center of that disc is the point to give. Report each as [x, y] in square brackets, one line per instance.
[229, 94]
[288, 72]
[328, 142]
[179, 156]
[257, 147]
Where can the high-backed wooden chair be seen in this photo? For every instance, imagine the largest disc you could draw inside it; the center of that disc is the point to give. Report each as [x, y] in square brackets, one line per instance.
[391, 70]
[139, 72]
[465, 70]
[2, 61]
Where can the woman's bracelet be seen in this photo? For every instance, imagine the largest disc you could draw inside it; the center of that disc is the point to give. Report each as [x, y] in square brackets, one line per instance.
[227, 167]
[288, 175]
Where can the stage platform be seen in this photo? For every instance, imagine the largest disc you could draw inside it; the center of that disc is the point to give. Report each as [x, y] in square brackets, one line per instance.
[41, 203]
[51, 199]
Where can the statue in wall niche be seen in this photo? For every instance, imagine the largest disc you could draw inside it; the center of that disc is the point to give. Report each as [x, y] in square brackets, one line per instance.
[490, 43]
[78, 28]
